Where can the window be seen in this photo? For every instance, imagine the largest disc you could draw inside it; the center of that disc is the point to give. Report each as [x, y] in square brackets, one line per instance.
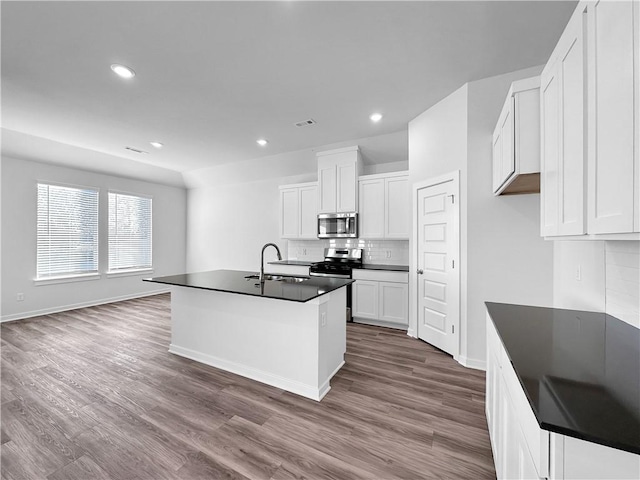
[129, 232]
[67, 237]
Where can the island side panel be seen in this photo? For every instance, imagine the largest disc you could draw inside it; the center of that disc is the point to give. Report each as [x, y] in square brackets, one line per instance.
[273, 341]
[333, 337]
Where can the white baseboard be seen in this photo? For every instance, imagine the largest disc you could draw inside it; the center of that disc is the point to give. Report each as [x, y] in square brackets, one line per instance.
[93, 303]
[379, 323]
[412, 333]
[472, 363]
[304, 390]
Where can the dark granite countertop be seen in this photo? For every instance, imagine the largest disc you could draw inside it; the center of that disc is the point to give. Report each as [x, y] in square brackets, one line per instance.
[580, 371]
[392, 268]
[235, 281]
[364, 266]
[292, 262]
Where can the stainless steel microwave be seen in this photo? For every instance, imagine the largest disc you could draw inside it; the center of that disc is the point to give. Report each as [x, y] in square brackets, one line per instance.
[338, 225]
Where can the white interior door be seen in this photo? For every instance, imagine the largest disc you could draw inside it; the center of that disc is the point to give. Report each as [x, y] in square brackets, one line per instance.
[437, 266]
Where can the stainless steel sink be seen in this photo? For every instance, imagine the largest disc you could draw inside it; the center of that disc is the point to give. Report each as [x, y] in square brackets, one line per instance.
[278, 278]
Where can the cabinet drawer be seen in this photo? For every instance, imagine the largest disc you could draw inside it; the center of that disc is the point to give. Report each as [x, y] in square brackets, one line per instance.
[380, 275]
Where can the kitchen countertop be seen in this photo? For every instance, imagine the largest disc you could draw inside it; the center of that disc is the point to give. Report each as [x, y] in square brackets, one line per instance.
[235, 281]
[292, 262]
[364, 266]
[580, 371]
[392, 268]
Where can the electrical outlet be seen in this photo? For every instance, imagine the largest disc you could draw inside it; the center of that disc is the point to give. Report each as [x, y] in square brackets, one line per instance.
[388, 253]
[20, 297]
[304, 252]
[323, 319]
[579, 273]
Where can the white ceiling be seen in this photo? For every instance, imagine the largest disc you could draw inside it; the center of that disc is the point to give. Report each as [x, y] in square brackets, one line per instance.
[212, 77]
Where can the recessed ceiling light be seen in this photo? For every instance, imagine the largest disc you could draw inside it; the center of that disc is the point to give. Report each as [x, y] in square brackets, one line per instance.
[262, 142]
[375, 117]
[157, 145]
[122, 71]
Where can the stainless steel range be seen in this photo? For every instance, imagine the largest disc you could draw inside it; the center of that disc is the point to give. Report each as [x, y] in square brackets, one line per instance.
[338, 263]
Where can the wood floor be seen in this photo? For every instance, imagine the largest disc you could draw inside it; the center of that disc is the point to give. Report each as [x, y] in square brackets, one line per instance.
[93, 393]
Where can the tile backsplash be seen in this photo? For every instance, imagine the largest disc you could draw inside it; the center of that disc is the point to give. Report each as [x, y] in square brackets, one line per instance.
[622, 280]
[385, 252]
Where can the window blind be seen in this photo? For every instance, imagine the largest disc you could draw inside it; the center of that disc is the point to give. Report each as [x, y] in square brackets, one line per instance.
[130, 232]
[67, 231]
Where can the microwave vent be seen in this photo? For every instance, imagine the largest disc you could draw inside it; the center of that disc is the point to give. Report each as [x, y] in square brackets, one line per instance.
[306, 123]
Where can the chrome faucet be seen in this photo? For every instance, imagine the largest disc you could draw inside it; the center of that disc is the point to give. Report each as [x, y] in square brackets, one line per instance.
[262, 258]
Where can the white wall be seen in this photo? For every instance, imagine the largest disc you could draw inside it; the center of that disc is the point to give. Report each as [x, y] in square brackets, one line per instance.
[600, 276]
[19, 200]
[586, 292]
[233, 208]
[503, 257]
[508, 261]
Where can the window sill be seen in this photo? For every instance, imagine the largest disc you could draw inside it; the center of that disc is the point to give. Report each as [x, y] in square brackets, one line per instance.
[67, 279]
[128, 273]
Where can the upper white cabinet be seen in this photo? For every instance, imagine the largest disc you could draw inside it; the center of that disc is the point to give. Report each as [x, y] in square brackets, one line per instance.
[614, 124]
[516, 140]
[384, 206]
[562, 113]
[338, 172]
[298, 211]
[590, 116]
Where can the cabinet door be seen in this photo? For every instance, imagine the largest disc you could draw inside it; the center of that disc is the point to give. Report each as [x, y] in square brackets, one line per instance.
[397, 208]
[326, 186]
[611, 116]
[571, 159]
[308, 200]
[497, 160]
[289, 213]
[550, 151]
[346, 186]
[365, 299]
[371, 208]
[393, 302]
[507, 135]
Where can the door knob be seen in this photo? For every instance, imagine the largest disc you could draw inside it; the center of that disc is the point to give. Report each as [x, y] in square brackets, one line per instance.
[419, 271]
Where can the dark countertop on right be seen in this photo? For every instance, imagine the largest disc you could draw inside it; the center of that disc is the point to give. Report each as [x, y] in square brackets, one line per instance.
[580, 371]
[392, 268]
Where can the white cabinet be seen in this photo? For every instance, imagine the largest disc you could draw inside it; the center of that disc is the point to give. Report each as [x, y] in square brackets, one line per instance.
[516, 140]
[521, 449]
[562, 135]
[381, 298]
[614, 123]
[298, 211]
[384, 206]
[338, 172]
[590, 117]
[365, 299]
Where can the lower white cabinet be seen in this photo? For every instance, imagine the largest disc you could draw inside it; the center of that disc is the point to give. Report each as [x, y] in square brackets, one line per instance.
[522, 450]
[381, 298]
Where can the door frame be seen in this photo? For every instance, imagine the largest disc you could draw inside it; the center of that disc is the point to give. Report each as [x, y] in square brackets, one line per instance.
[453, 177]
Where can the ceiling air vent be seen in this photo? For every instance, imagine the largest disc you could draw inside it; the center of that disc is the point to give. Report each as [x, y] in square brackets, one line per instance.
[136, 150]
[306, 123]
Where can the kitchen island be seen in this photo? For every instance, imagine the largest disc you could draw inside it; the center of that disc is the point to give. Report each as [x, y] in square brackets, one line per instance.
[288, 332]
